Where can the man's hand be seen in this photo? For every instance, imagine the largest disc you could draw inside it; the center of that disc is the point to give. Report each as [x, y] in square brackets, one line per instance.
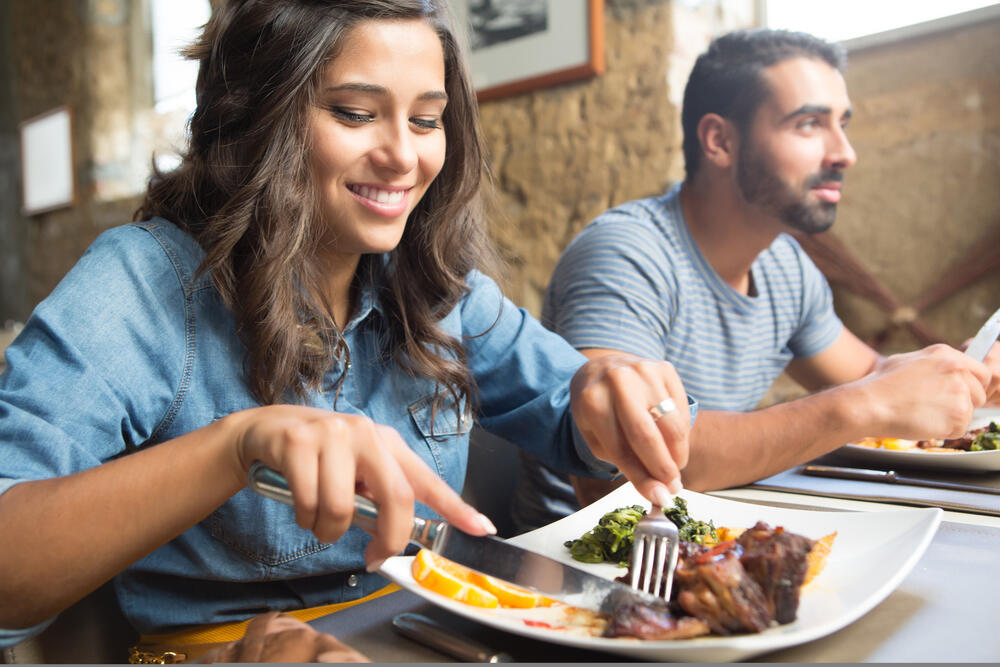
[930, 393]
[992, 362]
[277, 637]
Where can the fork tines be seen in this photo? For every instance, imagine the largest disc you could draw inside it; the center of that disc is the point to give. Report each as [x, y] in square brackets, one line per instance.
[654, 554]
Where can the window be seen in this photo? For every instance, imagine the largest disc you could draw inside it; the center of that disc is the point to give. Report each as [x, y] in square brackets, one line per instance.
[176, 23]
[848, 20]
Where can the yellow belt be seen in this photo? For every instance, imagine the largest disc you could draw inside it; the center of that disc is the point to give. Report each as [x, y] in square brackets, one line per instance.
[227, 632]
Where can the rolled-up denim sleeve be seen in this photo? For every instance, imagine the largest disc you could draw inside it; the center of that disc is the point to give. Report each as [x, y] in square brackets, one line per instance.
[523, 372]
[9, 638]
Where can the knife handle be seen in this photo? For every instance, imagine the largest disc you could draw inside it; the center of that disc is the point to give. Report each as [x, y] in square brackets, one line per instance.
[272, 484]
[850, 473]
[425, 631]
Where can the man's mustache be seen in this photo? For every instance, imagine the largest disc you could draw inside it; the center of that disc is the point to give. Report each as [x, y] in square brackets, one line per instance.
[831, 176]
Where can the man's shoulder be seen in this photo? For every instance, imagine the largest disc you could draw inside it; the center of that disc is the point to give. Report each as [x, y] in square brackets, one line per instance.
[655, 211]
[641, 223]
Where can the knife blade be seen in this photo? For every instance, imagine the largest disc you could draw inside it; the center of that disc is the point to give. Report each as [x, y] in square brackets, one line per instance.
[985, 337]
[890, 477]
[489, 555]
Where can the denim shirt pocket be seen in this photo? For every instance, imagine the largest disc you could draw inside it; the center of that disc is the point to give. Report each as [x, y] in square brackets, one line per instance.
[262, 530]
[446, 435]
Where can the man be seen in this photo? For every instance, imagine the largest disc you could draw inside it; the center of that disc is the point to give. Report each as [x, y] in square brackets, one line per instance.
[706, 277]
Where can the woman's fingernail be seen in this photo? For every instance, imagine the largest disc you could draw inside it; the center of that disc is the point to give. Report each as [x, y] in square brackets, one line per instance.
[675, 486]
[661, 496]
[374, 565]
[487, 525]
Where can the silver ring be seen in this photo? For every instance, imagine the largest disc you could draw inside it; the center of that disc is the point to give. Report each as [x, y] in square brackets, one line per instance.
[664, 407]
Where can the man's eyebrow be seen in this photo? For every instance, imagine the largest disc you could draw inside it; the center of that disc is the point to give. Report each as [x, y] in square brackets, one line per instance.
[808, 109]
[373, 89]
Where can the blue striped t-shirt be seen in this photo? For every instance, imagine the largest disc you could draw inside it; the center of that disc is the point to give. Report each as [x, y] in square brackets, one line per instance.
[634, 280]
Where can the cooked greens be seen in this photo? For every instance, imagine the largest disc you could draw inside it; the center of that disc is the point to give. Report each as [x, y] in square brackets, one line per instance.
[610, 541]
[688, 529]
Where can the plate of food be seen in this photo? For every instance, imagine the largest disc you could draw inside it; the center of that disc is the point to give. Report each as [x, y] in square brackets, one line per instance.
[977, 451]
[865, 557]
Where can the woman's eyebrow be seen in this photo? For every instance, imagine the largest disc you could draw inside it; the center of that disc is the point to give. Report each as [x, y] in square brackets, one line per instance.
[374, 89]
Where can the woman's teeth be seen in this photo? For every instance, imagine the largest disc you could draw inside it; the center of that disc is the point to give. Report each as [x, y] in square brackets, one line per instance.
[379, 195]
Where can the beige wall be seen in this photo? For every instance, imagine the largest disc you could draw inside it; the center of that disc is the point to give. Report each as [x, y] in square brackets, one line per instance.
[926, 189]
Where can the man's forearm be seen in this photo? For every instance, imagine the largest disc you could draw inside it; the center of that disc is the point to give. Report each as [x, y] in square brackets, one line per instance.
[735, 448]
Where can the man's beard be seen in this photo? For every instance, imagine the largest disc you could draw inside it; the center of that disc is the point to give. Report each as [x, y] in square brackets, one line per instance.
[760, 185]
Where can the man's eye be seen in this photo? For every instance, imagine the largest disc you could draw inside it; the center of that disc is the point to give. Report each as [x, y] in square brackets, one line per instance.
[808, 123]
[351, 116]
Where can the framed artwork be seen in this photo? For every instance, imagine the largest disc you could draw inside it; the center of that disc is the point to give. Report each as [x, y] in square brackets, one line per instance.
[520, 45]
[47, 178]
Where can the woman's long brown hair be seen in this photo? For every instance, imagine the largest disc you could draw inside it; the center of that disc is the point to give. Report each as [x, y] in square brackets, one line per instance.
[244, 191]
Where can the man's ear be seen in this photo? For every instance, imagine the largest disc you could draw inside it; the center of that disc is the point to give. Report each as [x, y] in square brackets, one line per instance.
[718, 139]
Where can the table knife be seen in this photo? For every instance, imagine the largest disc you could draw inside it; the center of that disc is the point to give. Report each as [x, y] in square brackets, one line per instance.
[891, 477]
[985, 337]
[489, 555]
[421, 629]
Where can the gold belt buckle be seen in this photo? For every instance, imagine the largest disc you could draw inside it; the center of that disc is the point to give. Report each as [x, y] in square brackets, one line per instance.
[136, 656]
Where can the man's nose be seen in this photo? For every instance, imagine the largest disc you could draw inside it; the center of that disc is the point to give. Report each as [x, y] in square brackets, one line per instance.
[840, 153]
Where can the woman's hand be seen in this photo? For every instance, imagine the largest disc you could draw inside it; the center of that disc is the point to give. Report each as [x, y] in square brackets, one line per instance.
[611, 398]
[327, 457]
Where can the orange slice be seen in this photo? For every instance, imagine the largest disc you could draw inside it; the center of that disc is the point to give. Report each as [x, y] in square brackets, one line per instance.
[466, 585]
[450, 579]
[510, 595]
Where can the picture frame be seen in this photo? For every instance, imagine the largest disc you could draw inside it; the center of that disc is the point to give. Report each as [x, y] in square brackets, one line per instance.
[516, 46]
[47, 176]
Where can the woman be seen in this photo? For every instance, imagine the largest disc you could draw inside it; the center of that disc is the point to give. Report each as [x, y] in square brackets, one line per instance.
[304, 290]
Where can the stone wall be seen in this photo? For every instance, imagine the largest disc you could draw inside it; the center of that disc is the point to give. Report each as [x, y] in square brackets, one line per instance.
[79, 53]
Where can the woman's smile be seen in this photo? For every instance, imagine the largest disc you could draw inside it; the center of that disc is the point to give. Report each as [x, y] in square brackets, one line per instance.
[382, 200]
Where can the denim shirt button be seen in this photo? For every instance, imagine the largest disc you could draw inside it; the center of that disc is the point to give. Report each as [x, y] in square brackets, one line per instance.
[352, 581]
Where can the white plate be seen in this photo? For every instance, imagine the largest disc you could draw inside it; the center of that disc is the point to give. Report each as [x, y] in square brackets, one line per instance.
[917, 458]
[872, 553]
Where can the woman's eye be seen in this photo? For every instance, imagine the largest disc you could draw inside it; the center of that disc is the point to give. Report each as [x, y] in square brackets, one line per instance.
[427, 123]
[351, 116]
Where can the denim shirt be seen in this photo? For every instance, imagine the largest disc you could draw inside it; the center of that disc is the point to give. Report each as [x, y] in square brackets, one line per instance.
[131, 349]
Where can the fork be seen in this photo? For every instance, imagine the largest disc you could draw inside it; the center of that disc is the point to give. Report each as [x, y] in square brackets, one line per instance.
[654, 554]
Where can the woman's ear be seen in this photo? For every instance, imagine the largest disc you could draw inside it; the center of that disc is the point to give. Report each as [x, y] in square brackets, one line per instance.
[718, 139]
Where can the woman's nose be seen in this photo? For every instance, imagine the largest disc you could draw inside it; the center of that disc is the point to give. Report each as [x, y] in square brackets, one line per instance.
[396, 150]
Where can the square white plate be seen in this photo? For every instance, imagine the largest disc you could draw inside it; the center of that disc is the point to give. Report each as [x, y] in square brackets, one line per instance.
[958, 460]
[872, 553]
